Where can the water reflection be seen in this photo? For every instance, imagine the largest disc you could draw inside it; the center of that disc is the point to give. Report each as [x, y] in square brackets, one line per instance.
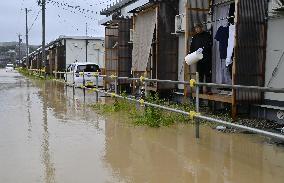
[29, 104]
[69, 142]
[173, 155]
[138, 154]
[49, 176]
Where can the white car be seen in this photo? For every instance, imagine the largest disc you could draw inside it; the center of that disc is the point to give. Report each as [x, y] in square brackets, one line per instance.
[9, 67]
[81, 72]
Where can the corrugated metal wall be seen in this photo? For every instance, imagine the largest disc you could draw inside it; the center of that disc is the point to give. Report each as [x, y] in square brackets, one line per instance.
[167, 63]
[125, 48]
[111, 49]
[251, 48]
[118, 48]
[60, 61]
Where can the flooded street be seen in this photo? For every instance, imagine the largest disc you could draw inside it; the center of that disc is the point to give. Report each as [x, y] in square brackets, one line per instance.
[48, 135]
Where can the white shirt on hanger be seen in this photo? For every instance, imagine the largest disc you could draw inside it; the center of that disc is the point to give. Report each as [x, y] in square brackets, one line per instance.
[231, 43]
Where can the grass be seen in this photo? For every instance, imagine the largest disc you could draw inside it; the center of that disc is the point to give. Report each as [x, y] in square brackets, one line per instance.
[33, 75]
[155, 117]
[146, 115]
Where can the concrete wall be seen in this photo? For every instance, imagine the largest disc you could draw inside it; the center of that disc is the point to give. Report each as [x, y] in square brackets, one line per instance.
[76, 51]
[275, 48]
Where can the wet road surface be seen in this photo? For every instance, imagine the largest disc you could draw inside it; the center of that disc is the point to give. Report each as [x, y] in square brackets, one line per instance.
[48, 135]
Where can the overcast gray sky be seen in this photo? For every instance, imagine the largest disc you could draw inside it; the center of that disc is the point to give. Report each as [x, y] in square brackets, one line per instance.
[58, 21]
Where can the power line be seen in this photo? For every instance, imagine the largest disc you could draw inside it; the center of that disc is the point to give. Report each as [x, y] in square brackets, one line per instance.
[34, 20]
[77, 8]
[76, 12]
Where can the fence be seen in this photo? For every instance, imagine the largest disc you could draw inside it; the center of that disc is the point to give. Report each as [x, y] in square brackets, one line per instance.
[193, 115]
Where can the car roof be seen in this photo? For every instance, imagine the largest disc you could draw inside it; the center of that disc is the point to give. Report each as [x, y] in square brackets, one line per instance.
[85, 63]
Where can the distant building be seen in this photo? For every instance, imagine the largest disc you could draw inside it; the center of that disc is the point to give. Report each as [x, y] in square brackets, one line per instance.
[69, 49]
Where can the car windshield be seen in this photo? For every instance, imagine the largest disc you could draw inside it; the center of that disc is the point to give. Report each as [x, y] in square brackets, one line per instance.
[10, 65]
[88, 68]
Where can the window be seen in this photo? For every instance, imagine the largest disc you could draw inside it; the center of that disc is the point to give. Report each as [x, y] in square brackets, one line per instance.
[88, 68]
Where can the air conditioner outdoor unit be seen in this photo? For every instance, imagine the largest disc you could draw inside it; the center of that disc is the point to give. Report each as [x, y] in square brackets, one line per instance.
[180, 23]
[131, 35]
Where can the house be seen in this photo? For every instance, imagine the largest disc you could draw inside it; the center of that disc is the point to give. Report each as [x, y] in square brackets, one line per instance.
[69, 49]
[118, 49]
[154, 47]
[66, 50]
[36, 59]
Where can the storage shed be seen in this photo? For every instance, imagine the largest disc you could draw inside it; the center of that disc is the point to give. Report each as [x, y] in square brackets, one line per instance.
[154, 47]
[118, 49]
[248, 63]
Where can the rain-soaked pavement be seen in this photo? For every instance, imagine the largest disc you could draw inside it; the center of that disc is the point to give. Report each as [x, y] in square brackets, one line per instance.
[48, 135]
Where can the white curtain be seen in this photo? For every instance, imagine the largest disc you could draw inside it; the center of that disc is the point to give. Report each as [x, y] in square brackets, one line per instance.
[144, 28]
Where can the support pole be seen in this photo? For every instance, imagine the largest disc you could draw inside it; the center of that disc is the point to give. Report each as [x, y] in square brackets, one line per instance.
[20, 41]
[145, 87]
[97, 86]
[187, 33]
[27, 41]
[43, 34]
[73, 76]
[197, 107]
[115, 85]
[84, 82]
[86, 29]
[87, 43]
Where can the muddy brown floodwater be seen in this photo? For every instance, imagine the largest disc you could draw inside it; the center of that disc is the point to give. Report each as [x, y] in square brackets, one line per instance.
[48, 135]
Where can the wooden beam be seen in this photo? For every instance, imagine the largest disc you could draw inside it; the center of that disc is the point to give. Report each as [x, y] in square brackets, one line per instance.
[234, 68]
[157, 40]
[198, 9]
[185, 66]
[215, 97]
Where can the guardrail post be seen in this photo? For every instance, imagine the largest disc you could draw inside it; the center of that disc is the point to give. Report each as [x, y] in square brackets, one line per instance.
[84, 82]
[97, 86]
[145, 87]
[197, 106]
[73, 78]
[115, 85]
[65, 79]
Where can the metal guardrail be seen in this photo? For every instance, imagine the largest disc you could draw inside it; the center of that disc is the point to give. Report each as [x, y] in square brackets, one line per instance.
[192, 114]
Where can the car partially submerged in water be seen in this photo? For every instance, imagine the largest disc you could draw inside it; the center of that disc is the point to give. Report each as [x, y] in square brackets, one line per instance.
[9, 67]
[83, 73]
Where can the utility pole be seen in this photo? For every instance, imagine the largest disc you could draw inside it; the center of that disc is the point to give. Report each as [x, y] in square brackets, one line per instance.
[20, 41]
[86, 29]
[27, 40]
[43, 33]
[87, 42]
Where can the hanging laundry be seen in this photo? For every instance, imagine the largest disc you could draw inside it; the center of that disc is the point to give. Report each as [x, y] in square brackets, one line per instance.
[231, 43]
[222, 36]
